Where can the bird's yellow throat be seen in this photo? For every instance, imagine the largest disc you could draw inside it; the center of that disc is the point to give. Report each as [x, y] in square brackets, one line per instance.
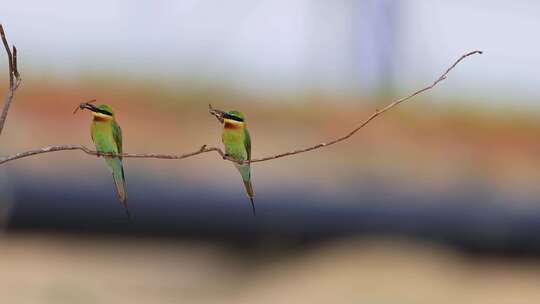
[233, 124]
[101, 116]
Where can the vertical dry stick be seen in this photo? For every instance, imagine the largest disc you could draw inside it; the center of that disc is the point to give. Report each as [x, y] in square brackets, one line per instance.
[14, 78]
[14, 82]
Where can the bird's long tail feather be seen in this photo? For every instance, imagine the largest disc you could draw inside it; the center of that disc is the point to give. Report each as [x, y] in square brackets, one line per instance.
[119, 181]
[245, 171]
[249, 191]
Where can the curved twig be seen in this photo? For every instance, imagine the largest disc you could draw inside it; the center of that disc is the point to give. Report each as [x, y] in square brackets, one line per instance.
[370, 118]
[205, 149]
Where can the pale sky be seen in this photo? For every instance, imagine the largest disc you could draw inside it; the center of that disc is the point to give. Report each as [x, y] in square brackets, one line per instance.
[286, 44]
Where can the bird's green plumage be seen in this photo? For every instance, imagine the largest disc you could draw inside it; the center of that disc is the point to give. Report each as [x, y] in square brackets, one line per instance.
[237, 144]
[107, 137]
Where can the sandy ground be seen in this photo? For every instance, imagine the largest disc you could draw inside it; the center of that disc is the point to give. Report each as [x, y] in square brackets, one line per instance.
[59, 269]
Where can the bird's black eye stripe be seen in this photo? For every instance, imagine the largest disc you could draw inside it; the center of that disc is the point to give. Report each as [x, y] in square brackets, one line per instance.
[232, 117]
[104, 112]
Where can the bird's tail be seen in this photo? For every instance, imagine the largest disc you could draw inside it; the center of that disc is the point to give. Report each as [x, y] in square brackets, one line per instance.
[245, 171]
[119, 181]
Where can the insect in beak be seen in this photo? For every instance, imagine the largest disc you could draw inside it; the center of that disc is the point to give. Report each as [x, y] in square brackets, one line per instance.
[217, 113]
[86, 105]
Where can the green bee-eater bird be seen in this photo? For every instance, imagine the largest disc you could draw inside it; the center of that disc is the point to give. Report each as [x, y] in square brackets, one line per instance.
[107, 136]
[237, 144]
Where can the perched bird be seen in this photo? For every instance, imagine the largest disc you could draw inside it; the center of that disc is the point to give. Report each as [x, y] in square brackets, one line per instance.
[237, 144]
[107, 136]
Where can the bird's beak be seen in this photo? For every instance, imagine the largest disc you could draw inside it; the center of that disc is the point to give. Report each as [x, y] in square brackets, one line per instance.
[217, 113]
[86, 105]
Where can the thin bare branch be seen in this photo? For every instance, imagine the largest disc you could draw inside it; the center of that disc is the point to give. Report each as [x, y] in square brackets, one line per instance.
[370, 118]
[205, 149]
[14, 77]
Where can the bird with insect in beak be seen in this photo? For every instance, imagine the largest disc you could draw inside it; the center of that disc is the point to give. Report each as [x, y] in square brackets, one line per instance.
[107, 136]
[237, 144]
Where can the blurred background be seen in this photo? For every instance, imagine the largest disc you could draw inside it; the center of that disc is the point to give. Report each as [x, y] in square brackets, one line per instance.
[435, 202]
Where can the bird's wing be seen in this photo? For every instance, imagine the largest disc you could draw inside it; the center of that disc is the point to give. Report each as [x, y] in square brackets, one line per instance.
[117, 135]
[247, 143]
